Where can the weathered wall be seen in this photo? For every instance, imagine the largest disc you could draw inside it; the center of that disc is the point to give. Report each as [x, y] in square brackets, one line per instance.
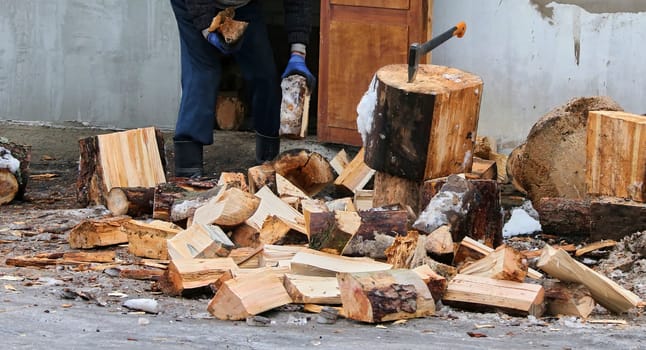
[536, 54]
[115, 62]
[109, 62]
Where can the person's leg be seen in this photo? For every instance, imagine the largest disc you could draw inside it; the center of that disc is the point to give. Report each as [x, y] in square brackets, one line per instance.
[201, 72]
[256, 60]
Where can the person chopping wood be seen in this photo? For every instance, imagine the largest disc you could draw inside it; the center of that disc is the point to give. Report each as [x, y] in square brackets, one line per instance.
[204, 42]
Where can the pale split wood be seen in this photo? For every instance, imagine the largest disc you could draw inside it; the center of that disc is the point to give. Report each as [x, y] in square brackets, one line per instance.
[482, 292]
[199, 241]
[559, 264]
[313, 289]
[314, 263]
[185, 274]
[8, 186]
[149, 239]
[356, 174]
[130, 159]
[505, 263]
[231, 208]
[572, 299]
[474, 250]
[270, 204]
[340, 161]
[98, 233]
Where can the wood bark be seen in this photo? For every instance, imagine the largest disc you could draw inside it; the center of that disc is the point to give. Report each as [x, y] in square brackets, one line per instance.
[294, 108]
[614, 218]
[135, 202]
[391, 189]
[616, 155]
[425, 129]
[559, 264]
[553, 160]
[9, 153]
[307, 170]
[476, 212]
[436, 284]
[564, 216]
[385, 296]
[377, 232]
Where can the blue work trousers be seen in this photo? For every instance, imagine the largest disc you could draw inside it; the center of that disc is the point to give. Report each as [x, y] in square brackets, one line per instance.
[202, 72]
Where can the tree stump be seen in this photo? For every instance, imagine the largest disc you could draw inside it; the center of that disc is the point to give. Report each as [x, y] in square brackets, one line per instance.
[425, 129]
[552, 162]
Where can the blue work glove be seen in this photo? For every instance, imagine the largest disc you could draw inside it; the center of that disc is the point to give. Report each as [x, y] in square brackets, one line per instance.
[296, 65]
[217, 40]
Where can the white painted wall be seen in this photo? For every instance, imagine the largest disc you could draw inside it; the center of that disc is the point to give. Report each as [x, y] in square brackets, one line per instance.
[528, 62]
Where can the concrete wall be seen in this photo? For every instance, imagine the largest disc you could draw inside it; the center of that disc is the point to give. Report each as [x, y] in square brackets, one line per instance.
[535, 55]
[108, 62]
[115, 62]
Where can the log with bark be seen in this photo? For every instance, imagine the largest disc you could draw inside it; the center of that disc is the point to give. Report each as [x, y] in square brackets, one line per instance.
[261, 176]
[616, 155]
[390, 189]
[436, 283]
[408, 132]
[385, 296]
[14, 170]
[135, 202]
[176, 203]
[552, 161]
[377, 231]
[307, 170]
[294, 108]
[132, 158]
[564, 216]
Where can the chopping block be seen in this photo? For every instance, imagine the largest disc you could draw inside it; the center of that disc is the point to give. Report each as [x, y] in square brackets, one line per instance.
[425, 129]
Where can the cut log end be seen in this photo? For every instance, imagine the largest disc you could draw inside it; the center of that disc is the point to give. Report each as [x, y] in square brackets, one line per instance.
[8, 186]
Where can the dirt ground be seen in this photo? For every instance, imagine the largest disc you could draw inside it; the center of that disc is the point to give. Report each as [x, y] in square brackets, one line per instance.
[59, 307]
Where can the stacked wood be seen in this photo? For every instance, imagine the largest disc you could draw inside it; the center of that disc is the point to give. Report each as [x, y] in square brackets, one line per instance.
[178, 201]
[385, 296]
[472, 250]
[14, 170]
[231, 208]
[261, 176]
[377, 232]
[345, 226]
[552, 161]
[504, 263]
[313, 289]
[441, 99]
[98, 233]
[484, 294]
[187, 274]
[307, 170]
[135, 202]
[230, 111]
[470, 207]
[355, 175]
[149, 239]
[616, 155]
[559, 264]
[199, 241]
[130, 158]
[238, 298]
[314, 263]
[570, 299]
[340, 161]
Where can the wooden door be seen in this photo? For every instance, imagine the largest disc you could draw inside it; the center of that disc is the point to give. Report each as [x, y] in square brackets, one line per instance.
[357, 38]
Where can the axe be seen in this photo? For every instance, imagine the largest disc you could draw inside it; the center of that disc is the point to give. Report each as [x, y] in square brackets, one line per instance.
[416, 50]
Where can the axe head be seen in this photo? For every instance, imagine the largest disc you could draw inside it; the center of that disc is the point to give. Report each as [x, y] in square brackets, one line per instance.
[413, 60]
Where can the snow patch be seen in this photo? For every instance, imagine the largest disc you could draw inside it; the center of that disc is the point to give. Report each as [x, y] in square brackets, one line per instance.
[7, 161]
[434, 215]
[520, 223]
[366, 110]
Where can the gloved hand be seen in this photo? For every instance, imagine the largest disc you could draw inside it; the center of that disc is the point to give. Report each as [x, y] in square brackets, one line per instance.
[216, 39]
[296, 65]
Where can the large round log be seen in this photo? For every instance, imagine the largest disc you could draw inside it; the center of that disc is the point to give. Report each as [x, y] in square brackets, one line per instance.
[425, 129]
[552, 163]
[8, 186]
[16, 159]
